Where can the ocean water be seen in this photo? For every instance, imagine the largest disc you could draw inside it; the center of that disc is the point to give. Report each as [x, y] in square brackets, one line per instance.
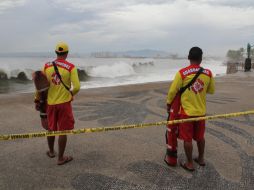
[16, 72]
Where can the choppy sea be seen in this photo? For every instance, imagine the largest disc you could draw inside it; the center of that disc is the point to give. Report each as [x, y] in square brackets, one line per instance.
[15, 72]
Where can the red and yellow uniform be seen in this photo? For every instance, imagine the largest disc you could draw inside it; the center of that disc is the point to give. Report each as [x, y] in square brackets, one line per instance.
[57, 93]
[59, 110]
[193, 100]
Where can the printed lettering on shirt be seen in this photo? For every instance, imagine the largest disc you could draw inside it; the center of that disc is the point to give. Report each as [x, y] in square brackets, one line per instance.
[198, 86]
[63, 65]
[188, 71]
[206, 72]
[48, 64]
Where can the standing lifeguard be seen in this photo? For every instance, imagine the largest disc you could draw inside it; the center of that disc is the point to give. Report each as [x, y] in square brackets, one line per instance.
[64, 84]
[193, 104]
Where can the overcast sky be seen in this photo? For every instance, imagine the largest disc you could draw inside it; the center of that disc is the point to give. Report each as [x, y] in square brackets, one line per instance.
[118, 25]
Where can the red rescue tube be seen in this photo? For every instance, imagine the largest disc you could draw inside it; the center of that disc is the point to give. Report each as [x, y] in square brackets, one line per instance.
[42, 85]
[172, 132]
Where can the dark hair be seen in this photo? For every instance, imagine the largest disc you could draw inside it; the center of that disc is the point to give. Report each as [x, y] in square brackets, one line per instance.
[195, 54]
[61, 53]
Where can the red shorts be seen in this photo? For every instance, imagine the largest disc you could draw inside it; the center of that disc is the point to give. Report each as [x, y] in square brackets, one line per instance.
[191, 130]
[60, 117]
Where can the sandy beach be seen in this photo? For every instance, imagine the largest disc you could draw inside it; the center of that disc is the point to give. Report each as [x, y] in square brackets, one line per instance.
[130, 159]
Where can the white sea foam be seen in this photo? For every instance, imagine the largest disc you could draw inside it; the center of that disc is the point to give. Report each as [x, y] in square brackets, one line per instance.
[112, 71]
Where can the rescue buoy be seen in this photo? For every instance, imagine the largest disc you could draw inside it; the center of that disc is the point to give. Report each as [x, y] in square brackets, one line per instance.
[172, 132]
[42, 85]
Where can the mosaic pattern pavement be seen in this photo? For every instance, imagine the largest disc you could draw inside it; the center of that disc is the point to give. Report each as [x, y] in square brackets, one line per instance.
[135, 108]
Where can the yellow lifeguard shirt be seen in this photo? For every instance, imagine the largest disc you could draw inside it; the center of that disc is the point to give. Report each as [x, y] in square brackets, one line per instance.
[57, 93]
[193, 100]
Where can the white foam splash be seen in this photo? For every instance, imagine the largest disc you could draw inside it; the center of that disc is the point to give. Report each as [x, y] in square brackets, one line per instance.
[112, 71]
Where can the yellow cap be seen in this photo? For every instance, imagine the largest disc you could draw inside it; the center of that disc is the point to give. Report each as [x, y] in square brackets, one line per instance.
[62, 47]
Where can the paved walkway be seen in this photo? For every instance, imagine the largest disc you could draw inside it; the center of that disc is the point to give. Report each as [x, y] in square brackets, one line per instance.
[130, 159]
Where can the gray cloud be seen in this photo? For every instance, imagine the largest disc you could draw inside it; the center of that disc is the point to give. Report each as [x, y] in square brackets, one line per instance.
[8, 4]
[110, 5]
[118, 25]
[230, 3]
[104, 6]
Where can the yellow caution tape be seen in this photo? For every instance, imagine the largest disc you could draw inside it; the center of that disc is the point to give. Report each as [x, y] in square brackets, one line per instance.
[120, 127]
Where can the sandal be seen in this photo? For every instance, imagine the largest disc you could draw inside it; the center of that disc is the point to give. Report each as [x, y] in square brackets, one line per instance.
[197, 161]
[65, 160]
[184, 166]
[50, 155]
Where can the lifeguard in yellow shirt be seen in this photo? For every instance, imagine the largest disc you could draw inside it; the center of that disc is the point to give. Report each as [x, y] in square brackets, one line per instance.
[64, 84]
[193, 104]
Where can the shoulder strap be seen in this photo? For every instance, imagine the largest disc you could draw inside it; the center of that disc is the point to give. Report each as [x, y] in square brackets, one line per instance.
[192, 81]
[59, 76]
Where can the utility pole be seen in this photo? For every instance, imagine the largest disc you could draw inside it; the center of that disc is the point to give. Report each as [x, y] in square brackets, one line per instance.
[247, 65]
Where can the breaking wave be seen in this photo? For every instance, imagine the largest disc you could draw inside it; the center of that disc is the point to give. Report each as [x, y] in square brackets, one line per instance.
[26, 75]
[112, 71]
[16, 74]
